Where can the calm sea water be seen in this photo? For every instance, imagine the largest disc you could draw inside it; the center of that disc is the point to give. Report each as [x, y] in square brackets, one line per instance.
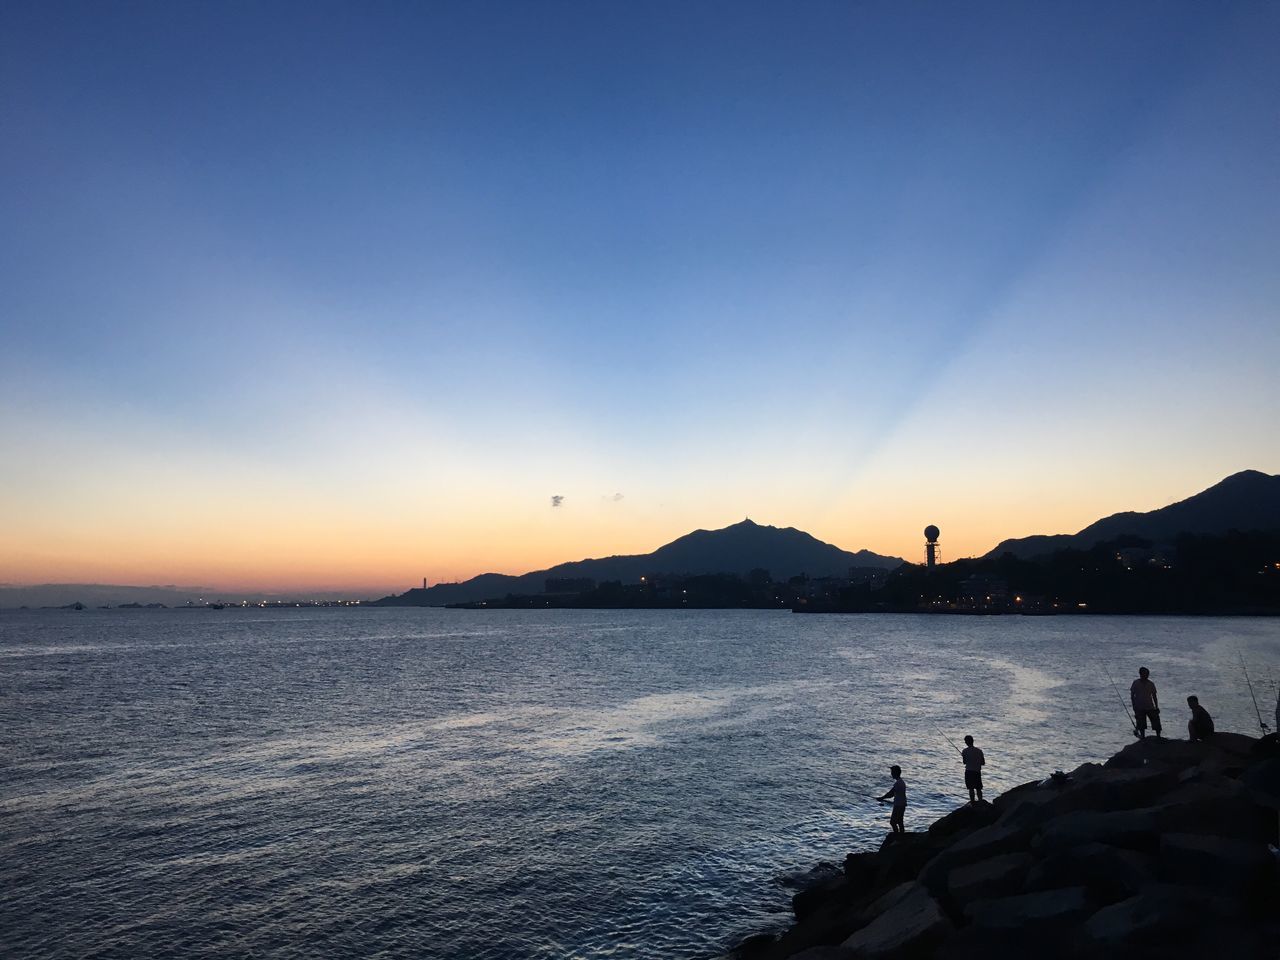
[510, 784]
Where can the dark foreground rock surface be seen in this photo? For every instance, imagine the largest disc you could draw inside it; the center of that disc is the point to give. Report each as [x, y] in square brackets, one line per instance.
[1166, 850]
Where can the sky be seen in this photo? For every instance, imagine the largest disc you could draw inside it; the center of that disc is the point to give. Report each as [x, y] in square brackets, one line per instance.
[344, 295]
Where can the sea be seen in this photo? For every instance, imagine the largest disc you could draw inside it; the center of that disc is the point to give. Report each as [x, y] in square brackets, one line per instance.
[429, 783]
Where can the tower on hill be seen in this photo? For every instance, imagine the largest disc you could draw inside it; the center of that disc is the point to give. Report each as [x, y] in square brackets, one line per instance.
[931, 534]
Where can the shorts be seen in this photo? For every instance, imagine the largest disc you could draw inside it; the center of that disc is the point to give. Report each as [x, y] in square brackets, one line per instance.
[1155, 719]
[973, 779]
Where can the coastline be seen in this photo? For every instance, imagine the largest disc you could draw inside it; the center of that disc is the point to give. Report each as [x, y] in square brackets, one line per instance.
[1166, 849]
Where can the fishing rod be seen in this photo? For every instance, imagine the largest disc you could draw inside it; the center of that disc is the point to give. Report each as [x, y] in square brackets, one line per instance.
[1107, 673]
[1245, 667]
[946, 738]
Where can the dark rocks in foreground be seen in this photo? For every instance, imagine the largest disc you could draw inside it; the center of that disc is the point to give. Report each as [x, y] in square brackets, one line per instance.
[1167, 849]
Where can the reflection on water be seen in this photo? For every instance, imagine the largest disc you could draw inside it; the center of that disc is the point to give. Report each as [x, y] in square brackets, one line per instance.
[427, 783]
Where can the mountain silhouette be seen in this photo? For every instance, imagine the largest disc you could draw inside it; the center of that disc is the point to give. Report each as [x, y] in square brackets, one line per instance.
[738, 549]
[1249, 500]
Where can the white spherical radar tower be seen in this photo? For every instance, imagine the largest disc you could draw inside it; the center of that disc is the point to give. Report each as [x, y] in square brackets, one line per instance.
[931, 556]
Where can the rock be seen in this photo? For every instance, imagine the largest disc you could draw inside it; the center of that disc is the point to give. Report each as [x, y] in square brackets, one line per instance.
[886, 901]
[966, 819]
[752, 947]
[1158, 909]
[1013, 796]
[1166, 753]
[997, 877]
[1233, 867]
[1197, 784]
[860, 870]
[974, 943]
[1231, 816]
[901, 858]
[1048, 908]
[831, 889]
[827, 925]
[1225, 752]
[1134, 829]
[824, 953]
[989, 842]
[1239, 745]
[1108, 873]
[809, 876]
[1101, 789]
[993, 841]
[911, 926]
[1262, 781]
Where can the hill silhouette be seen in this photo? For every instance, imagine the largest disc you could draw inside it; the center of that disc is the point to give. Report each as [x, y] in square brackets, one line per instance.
[1245, 501]
[738, 549]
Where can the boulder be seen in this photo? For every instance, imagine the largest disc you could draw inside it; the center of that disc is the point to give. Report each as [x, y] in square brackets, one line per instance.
[885, 902]
[831, 889]
[966, 819]
[1226, 752]
[833, 921]
[993, 841]
[912, 925]
[752, 947]
[975, 943]
[1262, 781]
[1108, 873]
[1198, 784]
[860, 865]
[902, 856]
[1134, 829]
[1223, 865]
[824, 953]
[1241, 746]
[1178, 754]
[827, 925]
[1100, 789]
[1158, 910]
[1047, 908]
[1232, 816]
[1012, 796]
[997, 877]
[988, 842]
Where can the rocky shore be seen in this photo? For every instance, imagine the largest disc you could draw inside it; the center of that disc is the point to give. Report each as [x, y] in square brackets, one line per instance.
[1166, 850]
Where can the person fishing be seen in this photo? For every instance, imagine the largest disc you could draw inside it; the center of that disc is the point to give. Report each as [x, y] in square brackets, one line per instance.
[898, 794]
[974, 761]
[1146, 704]
[1200, 726]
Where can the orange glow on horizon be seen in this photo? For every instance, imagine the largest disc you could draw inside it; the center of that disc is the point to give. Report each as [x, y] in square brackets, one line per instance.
[366, 552]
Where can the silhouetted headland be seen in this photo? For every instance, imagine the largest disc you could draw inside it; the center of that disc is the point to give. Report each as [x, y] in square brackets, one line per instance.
[734, 551]
[1217, 552]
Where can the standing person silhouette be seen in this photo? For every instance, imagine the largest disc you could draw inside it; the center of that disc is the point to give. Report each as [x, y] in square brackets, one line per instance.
[897, 793]
[1146, 705]
[974, 761]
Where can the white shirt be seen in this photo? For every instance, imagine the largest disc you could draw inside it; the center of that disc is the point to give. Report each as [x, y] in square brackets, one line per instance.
[1143, 694]
[899, 792]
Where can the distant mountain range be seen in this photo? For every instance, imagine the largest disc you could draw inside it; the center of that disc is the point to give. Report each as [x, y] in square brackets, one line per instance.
[1245, 501]
[738, 549]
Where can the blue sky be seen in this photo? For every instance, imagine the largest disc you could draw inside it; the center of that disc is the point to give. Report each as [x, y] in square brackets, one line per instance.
[343, 293]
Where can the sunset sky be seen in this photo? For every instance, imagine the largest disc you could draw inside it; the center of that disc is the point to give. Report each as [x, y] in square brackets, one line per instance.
[326, 295]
